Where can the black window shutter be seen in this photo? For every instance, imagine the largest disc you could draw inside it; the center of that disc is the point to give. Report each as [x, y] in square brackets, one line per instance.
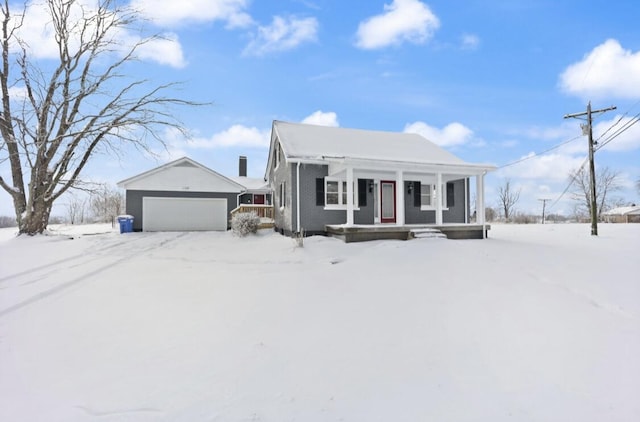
[416, 194]
[450, 195]
[320, 191]
[362, 192]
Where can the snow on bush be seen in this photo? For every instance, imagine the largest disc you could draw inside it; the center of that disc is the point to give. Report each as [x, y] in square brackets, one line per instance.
[244, 223]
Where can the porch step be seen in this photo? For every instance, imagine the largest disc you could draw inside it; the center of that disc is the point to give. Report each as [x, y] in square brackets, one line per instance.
[426, 233]
[266, 223]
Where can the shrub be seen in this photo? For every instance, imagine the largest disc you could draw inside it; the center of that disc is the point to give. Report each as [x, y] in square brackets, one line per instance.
[244, 223]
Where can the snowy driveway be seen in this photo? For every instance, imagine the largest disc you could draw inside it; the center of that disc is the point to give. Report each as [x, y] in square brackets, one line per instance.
[37, 268]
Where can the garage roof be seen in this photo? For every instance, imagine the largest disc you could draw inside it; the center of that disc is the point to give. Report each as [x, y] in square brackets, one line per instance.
[183, 174]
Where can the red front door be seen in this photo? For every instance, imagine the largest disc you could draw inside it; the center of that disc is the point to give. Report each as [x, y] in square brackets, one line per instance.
[258, 199]
[387, 201]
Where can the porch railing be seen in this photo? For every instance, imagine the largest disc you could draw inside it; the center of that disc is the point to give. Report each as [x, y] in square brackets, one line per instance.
[262, 211]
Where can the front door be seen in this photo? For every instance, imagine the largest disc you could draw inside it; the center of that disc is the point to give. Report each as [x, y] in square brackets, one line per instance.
[387, 201]
[258, 199]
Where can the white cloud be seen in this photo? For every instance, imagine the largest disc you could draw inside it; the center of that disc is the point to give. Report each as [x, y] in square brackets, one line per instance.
[608, 71]
[322, 119]
[470, 41]
[548, 167]
[174, 143]
[36, 30]
[284, 33]
[402, 20]
[38, 33]
[451, 135]
[17, 93]
[235, 136]
[174, 13]
[166, 50]
[567, 130]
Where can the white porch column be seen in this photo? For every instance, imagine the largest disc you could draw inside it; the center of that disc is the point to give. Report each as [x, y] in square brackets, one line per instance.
[350, 196]
[480, 199]
[466, 200]
[480, 218]
[439, 197]
[400, 198]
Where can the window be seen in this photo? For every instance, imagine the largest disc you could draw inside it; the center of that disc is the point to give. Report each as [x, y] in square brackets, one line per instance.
[344, 193]
[429, 195]
[335, 193]
[281, 200]
[426, 195]
[332, 193]
[276, 154]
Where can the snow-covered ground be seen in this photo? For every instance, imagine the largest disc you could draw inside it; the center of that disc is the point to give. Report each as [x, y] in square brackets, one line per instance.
[537, 323]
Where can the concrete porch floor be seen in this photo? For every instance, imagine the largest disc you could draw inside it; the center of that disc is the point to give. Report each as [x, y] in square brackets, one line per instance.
[363, 233]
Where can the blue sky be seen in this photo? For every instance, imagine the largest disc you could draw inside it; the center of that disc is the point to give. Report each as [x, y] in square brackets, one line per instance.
[489, 80]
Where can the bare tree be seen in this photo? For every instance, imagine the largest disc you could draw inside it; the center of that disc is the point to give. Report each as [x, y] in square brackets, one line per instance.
[56, 115]
[76, 208]
[106, 203]
[490, 214]
[607, 182]
[508, 198]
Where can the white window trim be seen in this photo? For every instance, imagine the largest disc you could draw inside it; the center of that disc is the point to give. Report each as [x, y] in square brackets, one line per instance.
[341, 193]
[432, 207]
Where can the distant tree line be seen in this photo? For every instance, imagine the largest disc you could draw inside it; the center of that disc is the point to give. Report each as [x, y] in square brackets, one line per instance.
[607, 181]
[100, 204]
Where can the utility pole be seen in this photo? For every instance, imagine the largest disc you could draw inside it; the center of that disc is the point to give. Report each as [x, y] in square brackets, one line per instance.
[592, 166]
[544, 204]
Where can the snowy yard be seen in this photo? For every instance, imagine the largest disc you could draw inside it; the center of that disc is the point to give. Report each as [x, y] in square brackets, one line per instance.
[537, 323]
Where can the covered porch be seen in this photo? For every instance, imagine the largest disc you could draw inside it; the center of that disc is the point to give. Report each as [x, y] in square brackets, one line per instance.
[405, 198]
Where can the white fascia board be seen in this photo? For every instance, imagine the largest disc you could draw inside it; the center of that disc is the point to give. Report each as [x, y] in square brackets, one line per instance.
[338, 164]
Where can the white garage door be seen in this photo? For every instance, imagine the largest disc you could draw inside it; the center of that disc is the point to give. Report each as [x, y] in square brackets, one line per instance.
[183, 214]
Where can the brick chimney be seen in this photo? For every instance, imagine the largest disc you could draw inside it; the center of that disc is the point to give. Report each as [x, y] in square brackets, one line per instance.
[242, 166]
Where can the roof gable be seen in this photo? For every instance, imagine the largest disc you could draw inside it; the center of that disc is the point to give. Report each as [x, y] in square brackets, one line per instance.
[183, 174]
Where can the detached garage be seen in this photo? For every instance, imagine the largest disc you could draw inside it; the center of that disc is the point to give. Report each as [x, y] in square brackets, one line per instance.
[182, 195]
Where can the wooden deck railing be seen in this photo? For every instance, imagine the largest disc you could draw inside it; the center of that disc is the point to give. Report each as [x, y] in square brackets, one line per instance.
[262, 211]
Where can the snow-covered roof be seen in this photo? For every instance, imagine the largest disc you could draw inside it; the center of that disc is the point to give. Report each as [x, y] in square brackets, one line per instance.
[311, 142]
[631, 210]
[251, 183]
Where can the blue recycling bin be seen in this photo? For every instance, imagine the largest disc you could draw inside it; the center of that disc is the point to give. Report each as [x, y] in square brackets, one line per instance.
[126, 223]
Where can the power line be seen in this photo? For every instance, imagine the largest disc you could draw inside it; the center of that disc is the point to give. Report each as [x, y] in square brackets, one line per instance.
[618, 132]
[537, 154]
[573, 177]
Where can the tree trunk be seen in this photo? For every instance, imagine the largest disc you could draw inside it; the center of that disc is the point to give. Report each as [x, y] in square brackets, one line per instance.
[36, 221]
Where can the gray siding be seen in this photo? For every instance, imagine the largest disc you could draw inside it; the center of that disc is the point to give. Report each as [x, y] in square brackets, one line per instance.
[455, 214]
[283, 216]
[365, 215]
[134, 201]
[315, 217]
